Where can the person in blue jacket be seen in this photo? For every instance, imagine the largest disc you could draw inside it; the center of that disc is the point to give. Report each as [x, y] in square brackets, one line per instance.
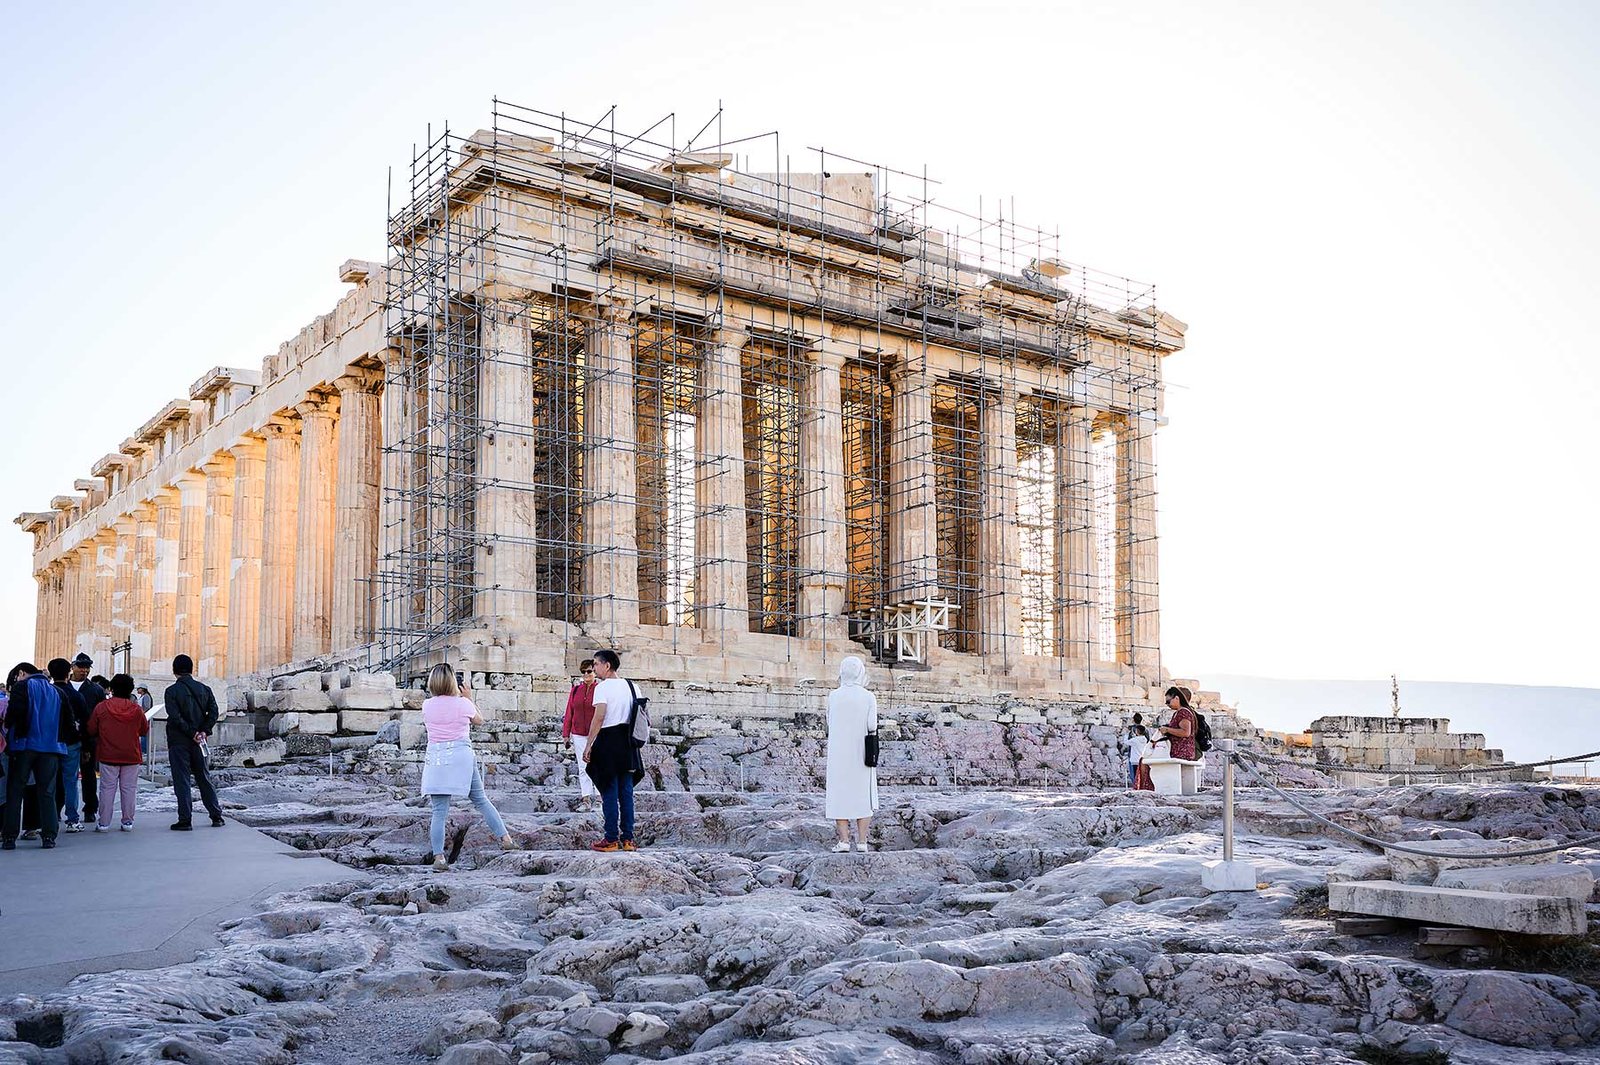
[38, 728]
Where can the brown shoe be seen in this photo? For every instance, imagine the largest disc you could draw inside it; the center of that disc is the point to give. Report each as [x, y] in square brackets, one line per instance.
[509, 843]
[605, 846]
[629, 845]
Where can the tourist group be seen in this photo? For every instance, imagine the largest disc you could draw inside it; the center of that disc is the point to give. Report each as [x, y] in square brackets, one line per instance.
[73, 749]
[73, 745]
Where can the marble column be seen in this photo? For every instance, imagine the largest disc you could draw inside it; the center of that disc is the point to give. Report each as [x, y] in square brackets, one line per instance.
[245, 550]
[610, 583]
[42, 615]
[122, 594]
[215, 567]
[1138, 602]
[505, 509]
[823, 565]
[142, 591]
[357, 484]
[913, 517]
[78, 575]
[1077, 564]
[105, 587]
[191, 557]
[999, 549]
[398, 411]
[164, 622]
[721, 591]
[313, 577]
[279, 536]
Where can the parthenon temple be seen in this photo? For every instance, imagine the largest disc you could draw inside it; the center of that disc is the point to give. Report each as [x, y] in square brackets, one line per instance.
[619, 390]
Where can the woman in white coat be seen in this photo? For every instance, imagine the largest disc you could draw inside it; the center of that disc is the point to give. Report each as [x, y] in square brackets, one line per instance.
[852, 786]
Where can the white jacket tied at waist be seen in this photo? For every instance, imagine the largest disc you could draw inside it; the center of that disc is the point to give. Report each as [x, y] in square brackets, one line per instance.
[447, 768]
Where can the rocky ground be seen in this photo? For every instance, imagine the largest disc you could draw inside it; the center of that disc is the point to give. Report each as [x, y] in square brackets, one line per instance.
[1030, 928]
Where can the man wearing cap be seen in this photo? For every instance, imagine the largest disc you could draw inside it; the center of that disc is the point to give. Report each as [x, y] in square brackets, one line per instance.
[92, 695]
[191, 715]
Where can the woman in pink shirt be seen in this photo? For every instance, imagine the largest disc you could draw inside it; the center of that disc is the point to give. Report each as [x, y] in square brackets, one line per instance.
[450, 768]
[575, 726]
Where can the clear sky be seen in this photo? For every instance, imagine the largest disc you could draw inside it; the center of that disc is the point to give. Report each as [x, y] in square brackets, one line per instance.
[1379, 221]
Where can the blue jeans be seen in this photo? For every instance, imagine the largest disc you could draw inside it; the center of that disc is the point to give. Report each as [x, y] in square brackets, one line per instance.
[615, 797]
[1133, 774]
[441, 811]
[67, 782]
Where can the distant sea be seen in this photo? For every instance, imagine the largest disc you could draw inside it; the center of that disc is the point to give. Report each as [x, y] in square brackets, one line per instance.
[1528, 723]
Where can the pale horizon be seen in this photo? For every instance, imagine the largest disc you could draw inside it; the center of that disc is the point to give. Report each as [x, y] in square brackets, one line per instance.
[1377, 222]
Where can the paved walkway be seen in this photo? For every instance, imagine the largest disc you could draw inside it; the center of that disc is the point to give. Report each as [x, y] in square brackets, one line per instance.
[135, 900]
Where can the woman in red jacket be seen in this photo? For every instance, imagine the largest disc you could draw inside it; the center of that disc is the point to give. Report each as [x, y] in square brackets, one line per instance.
[575, 726]
[117, 726]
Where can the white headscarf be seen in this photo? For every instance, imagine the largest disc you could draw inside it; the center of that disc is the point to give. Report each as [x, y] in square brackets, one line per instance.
[852, 673]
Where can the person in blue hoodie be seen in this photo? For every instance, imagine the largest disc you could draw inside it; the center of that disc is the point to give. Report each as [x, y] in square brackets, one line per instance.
[38, 729]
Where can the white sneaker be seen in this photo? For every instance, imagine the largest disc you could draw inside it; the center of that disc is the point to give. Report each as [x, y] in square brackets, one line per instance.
[440, 865]
[127, 826]
[102, 828]
[74, 826]
[860, 847]
[842, 847]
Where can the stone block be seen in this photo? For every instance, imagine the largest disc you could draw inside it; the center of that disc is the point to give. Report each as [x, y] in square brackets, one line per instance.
[1555, 878]
[413, 733]
[1501, 911]
[234, 730]
[297, 682]
[363, 699]
[319, 724]
[371, 682]
[1420, 869]
[305, 700]
[413, 698]
[254, 753]
[283, 724]
[363, 720]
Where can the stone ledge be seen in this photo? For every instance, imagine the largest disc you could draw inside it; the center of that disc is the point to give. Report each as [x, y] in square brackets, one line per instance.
[1501, 911]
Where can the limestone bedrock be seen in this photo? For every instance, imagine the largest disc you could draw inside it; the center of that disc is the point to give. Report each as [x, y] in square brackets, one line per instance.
[986, 926]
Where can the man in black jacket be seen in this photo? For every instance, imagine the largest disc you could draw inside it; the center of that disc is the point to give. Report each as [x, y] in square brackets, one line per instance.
[92, 694]
[191, 715]
[68, 793]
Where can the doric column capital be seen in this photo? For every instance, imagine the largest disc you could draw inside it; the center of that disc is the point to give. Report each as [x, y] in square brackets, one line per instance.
[359, 379]
[729, 336]
[607, 312]
[910, 364]
[248, 446]
[318, 404]
[829, 353]
[218, 465]
[284, 423]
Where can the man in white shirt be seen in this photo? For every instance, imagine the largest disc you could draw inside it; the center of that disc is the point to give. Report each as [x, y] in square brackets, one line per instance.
[611, 758]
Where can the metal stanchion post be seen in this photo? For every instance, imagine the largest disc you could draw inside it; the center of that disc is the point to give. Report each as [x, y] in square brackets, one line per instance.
[1227, 805]
[1227, 875]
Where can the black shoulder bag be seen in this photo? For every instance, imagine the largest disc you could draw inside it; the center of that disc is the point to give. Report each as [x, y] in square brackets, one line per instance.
[872, 749]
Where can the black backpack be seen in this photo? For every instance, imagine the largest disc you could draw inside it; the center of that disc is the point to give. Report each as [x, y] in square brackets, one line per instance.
[1202, 733]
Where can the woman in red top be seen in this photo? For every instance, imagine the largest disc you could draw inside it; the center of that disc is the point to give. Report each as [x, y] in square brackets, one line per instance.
[117, 725]
[1181, 725]
[575, 726]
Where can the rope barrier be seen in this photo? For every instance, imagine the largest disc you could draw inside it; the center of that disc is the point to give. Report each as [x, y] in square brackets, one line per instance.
[1240, 759]
[1418, 771]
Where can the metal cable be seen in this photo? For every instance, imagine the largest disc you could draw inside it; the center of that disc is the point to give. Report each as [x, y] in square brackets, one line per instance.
[1416, 771]
[1374, 841]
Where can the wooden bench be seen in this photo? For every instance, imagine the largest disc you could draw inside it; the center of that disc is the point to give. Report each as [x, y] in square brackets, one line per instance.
[1175, 776]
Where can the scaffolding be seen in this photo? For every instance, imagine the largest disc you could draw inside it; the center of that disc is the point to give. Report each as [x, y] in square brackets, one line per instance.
[995, 406]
